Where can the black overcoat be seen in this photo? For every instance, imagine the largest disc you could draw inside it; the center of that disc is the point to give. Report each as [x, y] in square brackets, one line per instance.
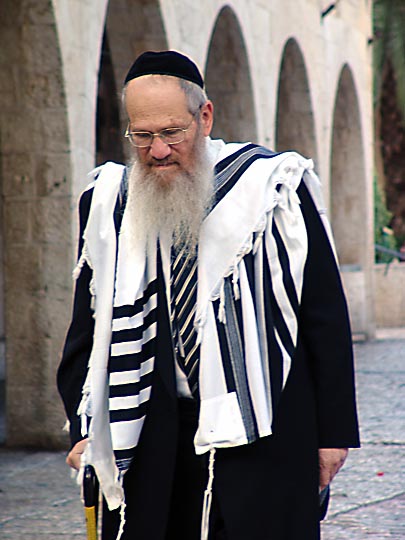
[267, 490]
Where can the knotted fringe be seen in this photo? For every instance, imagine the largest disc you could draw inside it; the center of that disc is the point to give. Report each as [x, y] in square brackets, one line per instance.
[84, 409]
[122, 519]
[205, 521]
[85, 258]
[221, 309]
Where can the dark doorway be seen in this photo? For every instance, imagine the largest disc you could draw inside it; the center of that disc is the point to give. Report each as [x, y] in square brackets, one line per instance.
[108, 131]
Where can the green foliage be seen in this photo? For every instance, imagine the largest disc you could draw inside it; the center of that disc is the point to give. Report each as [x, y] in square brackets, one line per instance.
[383, 235]
[389, 45]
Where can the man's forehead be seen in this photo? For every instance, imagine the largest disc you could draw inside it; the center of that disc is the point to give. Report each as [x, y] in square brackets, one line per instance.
[155, 90]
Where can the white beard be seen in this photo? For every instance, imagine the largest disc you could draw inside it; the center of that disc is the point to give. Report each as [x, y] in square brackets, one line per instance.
[179, 206]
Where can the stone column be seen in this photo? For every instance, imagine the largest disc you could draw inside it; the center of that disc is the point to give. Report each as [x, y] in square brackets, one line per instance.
[35, 177]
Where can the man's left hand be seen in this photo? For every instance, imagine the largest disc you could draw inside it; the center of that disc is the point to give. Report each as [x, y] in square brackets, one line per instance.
[330, 462]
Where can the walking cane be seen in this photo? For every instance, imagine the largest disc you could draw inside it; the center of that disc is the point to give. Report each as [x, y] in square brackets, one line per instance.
[90, 495]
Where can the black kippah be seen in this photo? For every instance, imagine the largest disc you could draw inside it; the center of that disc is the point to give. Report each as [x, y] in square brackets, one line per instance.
[165, 63]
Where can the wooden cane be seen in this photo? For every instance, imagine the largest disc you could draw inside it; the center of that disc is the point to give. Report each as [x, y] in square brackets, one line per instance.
[90, 495]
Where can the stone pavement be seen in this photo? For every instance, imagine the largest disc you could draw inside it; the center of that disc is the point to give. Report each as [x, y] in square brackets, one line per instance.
[39, 501]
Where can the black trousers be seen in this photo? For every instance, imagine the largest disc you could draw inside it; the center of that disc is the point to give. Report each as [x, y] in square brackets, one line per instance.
[190, 481]
[191, 476]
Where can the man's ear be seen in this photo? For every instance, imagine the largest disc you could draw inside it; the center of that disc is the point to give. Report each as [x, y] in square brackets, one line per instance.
[207, 117]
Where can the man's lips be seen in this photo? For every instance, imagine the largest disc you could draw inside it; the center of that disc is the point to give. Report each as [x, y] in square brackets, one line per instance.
[163, 165]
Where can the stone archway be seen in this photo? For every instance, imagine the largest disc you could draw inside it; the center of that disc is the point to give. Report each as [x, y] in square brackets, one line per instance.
[130, 29]
[35, 189]
[295, 129]
[348, 201]
[228, 81]
[349, 209]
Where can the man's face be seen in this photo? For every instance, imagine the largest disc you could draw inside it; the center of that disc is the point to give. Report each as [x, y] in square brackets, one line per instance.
[157, 103]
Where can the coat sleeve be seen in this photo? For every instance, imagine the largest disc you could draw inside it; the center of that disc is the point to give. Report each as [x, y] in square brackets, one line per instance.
[326, 334]
[79, 339]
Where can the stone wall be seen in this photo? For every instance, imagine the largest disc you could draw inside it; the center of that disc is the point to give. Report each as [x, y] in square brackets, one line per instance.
[390, 295]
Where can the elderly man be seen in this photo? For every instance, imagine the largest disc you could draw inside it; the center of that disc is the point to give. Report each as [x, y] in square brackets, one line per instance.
[207, 373]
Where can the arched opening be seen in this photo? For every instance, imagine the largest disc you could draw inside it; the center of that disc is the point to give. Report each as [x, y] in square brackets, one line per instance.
[109, 143]
[228, 81]
[349, 209]
[348, 202]
[295, 129]
[35, 195]
[130, 29]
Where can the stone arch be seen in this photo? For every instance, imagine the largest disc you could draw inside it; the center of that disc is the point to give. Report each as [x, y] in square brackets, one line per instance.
[295, 126]
[130, 29]
[35, 188]
[228, 81]
[348, 177]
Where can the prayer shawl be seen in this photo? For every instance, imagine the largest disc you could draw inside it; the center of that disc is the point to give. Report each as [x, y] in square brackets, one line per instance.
[247, 327]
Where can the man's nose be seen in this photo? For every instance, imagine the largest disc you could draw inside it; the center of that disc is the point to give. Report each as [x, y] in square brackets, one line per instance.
[159, 149]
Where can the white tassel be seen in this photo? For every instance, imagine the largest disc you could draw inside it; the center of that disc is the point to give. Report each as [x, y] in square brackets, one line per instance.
[84, 408]
[221, 309]
[84, 258]
[258, 241]
[122, 520]
[205, 521]
[78, 268]
[235, 282]
[123, 507]
[92, 289]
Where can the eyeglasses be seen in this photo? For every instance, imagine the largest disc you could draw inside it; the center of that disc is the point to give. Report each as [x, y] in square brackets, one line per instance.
[144, 139]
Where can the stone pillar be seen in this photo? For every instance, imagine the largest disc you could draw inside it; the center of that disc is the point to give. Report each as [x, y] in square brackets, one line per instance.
[35, 175]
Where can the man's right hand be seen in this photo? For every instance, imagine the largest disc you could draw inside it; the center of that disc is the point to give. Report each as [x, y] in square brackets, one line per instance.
[74, 456]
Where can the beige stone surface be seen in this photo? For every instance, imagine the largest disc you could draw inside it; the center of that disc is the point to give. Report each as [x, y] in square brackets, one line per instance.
[390, 295]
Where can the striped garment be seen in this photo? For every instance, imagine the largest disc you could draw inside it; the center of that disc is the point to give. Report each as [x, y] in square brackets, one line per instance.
[251, 257]
[275, 319]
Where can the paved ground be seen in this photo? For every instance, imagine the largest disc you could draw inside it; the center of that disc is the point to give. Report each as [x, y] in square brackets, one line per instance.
[39, 500]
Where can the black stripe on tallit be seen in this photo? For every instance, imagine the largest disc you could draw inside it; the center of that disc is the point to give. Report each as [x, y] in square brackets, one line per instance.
[128, 362]
[236, 372]
[233, 179]
[223, 344]
[285, 266]
[275, 357]
[278, 318]
[134, 413]
[134, 334]
[133, 309]
[281, 327]
[248, 259]
[223, 164]
[131, 389]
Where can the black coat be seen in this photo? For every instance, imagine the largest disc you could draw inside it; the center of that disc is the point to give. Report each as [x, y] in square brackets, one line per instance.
[267, 490]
